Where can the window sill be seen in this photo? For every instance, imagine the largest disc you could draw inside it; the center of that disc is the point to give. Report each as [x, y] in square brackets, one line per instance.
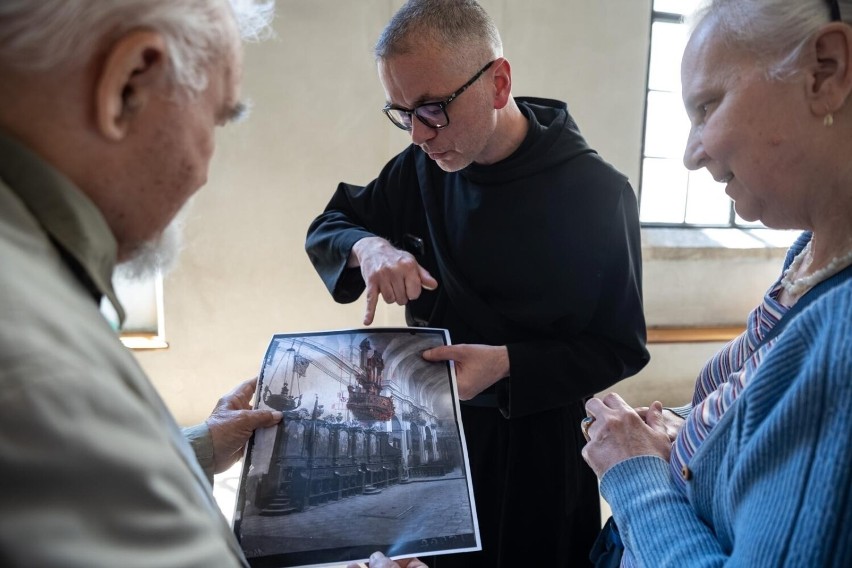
[699, 285]
[687, 243]
[143, 341]
[671, 334]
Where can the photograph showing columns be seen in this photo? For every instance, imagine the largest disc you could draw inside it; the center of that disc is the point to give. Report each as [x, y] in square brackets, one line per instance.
[370, 454]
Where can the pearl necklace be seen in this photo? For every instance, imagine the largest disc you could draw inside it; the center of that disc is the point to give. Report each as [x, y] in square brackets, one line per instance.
[801, 285]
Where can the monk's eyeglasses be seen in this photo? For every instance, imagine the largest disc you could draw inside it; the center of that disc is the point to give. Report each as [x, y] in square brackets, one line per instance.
[433, 115]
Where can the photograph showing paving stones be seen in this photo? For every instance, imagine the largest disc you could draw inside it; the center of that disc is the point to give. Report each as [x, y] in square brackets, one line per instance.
[370, 454]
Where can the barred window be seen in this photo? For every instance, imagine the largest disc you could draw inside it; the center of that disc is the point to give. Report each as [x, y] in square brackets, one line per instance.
[669, 194]
[142, 300]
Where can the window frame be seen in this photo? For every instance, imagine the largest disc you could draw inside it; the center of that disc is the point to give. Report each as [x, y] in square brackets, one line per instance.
[142, 300]
[732, 221]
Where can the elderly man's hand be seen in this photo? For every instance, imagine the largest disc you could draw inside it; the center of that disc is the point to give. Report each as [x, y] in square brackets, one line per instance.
[232, 423]
[379, 560]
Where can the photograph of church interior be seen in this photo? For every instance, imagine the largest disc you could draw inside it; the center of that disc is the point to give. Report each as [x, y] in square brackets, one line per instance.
[364, 414]
[316, 120]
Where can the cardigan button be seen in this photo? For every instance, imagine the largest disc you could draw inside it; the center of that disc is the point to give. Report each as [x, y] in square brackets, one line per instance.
[686, 473]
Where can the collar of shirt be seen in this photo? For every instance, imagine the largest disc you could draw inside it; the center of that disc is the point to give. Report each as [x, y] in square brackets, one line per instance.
[73, 222]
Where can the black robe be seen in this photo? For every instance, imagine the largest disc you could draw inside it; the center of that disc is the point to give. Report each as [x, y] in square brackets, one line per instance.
[539, 252]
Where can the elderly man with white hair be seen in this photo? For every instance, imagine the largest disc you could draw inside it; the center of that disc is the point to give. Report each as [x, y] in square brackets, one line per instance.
[107, 117]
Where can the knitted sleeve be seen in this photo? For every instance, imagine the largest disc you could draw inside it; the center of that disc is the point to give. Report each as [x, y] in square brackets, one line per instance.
[772, 485]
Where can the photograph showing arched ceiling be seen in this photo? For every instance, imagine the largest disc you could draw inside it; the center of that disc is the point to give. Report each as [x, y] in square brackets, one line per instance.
[329, 365]
[371, 431]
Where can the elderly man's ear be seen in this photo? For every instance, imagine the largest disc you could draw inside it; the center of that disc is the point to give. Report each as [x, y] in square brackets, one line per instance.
[830, 68]
[135, 70]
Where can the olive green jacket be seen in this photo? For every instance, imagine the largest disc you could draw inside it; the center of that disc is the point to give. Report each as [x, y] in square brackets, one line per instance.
[94, 471]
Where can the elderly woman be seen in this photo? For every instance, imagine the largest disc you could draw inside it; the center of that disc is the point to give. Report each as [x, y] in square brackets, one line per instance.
[760, 473]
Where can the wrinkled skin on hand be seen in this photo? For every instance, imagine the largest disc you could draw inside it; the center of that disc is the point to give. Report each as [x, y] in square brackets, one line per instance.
[477, 366]
[671, 421]
[388, 272]
[232, 422]
[620, 433]
[379, 560]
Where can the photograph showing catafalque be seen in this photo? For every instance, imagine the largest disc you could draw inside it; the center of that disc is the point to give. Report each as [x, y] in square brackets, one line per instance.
[370, 454]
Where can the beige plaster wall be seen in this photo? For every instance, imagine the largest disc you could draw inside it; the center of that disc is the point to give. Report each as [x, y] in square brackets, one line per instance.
[244, 274]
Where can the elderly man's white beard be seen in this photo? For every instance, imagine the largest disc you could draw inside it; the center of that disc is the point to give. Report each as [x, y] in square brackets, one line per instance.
[159, 254]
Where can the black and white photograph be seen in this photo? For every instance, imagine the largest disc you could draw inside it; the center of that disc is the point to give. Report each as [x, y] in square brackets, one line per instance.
[370, 454]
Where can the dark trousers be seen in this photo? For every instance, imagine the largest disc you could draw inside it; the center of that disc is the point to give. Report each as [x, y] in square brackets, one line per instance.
[537, 501]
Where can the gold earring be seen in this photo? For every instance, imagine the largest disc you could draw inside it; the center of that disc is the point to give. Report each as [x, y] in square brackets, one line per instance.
[828, 120]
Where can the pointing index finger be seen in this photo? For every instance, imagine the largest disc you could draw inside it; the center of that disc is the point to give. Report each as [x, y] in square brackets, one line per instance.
[372, 301]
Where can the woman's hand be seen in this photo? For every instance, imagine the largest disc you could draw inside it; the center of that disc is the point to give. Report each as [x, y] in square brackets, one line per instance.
[672, 422]
[618, 433]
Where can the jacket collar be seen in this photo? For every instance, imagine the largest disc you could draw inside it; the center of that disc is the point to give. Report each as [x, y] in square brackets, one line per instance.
[74, 224]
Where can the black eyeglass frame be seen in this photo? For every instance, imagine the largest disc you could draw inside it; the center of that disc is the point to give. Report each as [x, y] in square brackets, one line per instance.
[442, 105]
[835, 10]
